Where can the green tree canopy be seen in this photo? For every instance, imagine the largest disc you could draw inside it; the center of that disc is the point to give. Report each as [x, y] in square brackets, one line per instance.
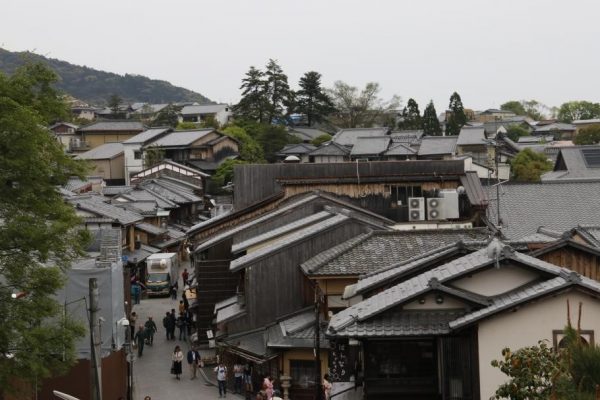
[588, 135]
[530, 108]
[528, 166]
[153, 155]
[457, 118]
[411, 116]
[319, 140]
[253, 105]
[224, 174]
[573, 110]
[359, 109]
[514, 106]
[114, 102]
[312, 100]
[185, 125]
[431, 123]
[272, 139]
[278, 93]
[250, 150]
[168, 116]
[514, 132]
[38, 234]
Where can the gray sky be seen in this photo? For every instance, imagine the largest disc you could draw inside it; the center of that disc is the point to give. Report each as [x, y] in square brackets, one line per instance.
[488, 51]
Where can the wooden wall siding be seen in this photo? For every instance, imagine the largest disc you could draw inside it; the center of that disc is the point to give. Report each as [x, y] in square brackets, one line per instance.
[256, 182]
[275, 285]
[583, 263]
[215, 283]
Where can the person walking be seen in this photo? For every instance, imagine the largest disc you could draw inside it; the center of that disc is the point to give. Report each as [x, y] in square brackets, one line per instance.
[193, 359]
[136, 292]
[248, 381]
[185, 275]
[268, 386]
[177, 359]
[326, 387]
[221, 371]
[132, 324]
[151, 329]
[174, 291]
[181, 307]
[140, 339]
[172, 323]
[182, 324]
[238, 375]
[166, 320]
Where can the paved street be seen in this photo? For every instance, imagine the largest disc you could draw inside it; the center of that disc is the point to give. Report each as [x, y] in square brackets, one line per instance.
[152, 371]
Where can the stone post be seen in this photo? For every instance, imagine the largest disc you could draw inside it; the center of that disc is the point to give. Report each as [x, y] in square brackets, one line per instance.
[285, 385]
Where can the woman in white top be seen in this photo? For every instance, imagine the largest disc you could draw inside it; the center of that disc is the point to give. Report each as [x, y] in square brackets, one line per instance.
[177, 359]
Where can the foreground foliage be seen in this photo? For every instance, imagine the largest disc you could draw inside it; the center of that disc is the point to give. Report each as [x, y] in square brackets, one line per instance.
[38, 235]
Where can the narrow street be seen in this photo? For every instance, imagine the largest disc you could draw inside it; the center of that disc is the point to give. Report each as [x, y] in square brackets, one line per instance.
[151, 372]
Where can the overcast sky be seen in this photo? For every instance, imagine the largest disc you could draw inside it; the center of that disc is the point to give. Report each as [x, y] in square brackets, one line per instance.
[488, 51]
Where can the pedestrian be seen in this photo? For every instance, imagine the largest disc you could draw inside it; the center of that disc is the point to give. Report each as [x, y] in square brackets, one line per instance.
[268, 386]
[326, 387]
[186, 303]
[136, 291]
[150, 330]
[221, 371]
[182, 324]
[140, 338]
[172, 323]
[193, 359]
[166, 321]
[181, 307]
[132, 323]
[238, 375]
[176, 358]
[174, 288]
[185, 275]
[248, 381]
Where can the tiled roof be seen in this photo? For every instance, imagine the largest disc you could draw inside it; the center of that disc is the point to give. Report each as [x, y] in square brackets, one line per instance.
[557, 126]
[203, 109]
[410, 136]
[425, 282]
[181, 138]
[379, 249]
[103, 152]
[576, 167]
[306, 133]
[591, 234]
[229, 233]
[557, 206]
[97, 205]
[307, 232]
[400, 149]
[286, 229]
[149, 228]
[103, 126]
[147, 135]
[471, 136]
[348, 137]
[331, 149]
[297, 148]
[114, 190]
[140, 254]
[366, 146]
[437, 145]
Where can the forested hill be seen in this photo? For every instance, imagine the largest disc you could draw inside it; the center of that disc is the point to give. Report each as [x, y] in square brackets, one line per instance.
[95, 87]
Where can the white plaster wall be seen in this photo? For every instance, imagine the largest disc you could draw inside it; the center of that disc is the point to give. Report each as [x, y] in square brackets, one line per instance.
[495, 281]
[527, 325]
[223, 116]
[131, 164]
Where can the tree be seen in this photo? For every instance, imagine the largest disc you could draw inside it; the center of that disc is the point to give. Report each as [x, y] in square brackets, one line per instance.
[359, 109]
[573, 110]
[168, 116]
[153, 155]
[253, 104]
[411, 116]
[319, 140]
[272, 139]
[528, 166]
[185, 125]
[278, 92]
[514, 132]
[514, 106]
[224, 173]
[457, 118]
[114, 102]
[38, 234]
[209, 122]
[533, 372]
[312, 100]
[588, 135]
[431, 123]
[250, 150]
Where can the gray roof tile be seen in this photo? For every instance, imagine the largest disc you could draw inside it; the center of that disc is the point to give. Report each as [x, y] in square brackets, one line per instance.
[97, 205]
[203, 109]
[103, 126]
[348, 137]
[471, 136]
[437, 145]
[102, 152]
[147, 135]
[181, 138]
[367, 146]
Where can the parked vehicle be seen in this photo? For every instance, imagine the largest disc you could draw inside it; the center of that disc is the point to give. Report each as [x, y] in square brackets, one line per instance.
[162, 271]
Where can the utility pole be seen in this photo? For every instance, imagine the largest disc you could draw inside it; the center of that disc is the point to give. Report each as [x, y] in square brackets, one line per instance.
[318, 294]
[96, 361]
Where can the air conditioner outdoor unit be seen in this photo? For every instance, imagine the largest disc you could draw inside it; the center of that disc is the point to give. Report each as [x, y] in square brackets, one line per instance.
[450, 204]
[435, 208]
[416, 208]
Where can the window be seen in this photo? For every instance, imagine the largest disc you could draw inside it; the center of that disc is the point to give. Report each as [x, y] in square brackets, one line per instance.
[302, 373]
[137, 155]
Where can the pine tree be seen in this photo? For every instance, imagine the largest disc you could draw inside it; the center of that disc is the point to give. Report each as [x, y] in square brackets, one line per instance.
[431, 123]
[253, 105]
[278, 92]
[312, 100]
[457, 118]
[411, 116]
